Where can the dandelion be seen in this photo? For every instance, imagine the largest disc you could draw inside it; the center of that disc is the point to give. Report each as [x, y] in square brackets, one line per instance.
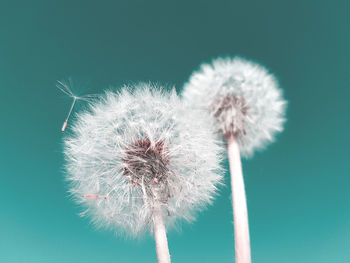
[137, 161]
[244, 100]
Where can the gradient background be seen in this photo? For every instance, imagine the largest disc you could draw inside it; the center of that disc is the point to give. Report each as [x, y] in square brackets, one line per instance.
[298, 193]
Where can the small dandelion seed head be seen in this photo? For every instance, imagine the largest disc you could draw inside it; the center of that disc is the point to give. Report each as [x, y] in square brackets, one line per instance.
[137, 149]
[244, 99]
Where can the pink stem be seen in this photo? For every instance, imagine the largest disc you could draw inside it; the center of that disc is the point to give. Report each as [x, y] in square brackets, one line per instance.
[70, 112]
[64, 125]
[160, 237]
[239, 203]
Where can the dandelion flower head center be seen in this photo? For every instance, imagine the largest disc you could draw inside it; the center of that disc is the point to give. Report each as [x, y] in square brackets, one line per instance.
[146, 165]
[230, 111]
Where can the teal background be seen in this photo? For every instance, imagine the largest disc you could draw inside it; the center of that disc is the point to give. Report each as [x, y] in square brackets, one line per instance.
[298, 193]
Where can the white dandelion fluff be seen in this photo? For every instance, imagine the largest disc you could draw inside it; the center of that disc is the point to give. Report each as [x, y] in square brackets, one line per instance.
[244, 99]
[138, 161]
[248, 108]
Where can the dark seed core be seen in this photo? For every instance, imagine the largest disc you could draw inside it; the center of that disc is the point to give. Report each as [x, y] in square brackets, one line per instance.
[146, 166]
[231, 113]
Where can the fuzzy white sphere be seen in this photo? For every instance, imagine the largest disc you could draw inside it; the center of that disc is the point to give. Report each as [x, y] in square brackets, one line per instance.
[139, 149]
[244, 99]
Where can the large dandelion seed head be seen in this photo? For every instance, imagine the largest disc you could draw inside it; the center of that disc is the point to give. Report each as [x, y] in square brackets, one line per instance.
[140, 149]
[244, 99]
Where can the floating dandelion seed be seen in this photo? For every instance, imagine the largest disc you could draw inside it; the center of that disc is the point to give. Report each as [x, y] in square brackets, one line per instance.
[64, 87]
[244, 100]
[138, 161]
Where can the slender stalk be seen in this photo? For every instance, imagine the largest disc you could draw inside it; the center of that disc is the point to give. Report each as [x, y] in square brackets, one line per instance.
[70, 112]
[160, 237]
[239, 203]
